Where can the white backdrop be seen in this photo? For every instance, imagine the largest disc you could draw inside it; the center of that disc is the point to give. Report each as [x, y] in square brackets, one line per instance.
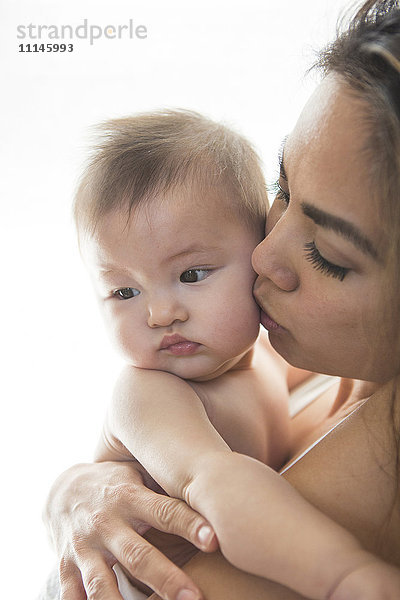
[241, 61]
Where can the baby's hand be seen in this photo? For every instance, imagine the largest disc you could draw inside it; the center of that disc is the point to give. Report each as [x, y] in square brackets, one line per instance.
[376, 580]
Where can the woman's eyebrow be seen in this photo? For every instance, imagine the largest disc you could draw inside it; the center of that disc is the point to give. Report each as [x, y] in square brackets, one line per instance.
[340, 226]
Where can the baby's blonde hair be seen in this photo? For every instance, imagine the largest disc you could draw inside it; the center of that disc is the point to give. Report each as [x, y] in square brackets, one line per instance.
[140, 157]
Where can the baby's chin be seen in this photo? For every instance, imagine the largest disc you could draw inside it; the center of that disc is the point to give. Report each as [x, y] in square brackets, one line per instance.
[191, 370]
[184, 372]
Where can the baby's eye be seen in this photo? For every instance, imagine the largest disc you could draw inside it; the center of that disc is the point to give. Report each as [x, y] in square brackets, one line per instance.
[194, 275]
[126, 293]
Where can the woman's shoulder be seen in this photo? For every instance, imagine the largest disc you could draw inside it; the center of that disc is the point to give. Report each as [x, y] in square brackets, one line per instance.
[352, 473]
[385, 403]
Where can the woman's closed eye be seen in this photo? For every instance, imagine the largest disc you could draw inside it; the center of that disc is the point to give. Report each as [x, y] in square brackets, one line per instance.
[194, 275]
[125, 293]
[311, 251]
[320, 263]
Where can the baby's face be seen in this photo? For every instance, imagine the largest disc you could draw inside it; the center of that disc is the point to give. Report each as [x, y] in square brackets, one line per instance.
[175, 284]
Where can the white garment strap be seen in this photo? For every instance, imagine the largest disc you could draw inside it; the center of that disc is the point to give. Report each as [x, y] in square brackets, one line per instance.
[127, 591]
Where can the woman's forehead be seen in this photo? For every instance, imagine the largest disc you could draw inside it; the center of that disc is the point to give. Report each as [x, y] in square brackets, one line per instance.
[325, 157]
[334, 113]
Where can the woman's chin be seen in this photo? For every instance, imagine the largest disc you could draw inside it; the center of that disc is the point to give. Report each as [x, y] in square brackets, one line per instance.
[294, 356]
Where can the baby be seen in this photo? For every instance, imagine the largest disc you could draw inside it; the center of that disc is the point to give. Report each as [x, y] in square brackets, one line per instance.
[168, 214]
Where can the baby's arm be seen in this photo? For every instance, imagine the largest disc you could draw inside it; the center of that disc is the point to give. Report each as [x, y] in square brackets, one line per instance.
[158, 420]
[263, 525]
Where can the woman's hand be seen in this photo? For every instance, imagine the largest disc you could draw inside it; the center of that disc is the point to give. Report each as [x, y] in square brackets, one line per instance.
[96, 515]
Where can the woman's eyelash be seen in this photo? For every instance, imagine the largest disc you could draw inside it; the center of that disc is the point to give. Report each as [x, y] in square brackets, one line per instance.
[311, 252]
[276, 189]
[321, 264]
[285, 196]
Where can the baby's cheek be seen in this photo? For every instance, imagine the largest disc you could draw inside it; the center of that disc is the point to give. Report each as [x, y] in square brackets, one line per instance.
[253, 319]
[120, 335]
[244, 322]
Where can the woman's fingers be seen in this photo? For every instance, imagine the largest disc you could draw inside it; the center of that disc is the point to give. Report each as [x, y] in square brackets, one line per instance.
[98, 514]
[71, 586]
[175, 516]
[99, 580]
[93, 580]
[151, 567]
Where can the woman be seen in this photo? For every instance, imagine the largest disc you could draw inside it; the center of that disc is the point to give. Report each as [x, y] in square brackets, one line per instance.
[328, 287]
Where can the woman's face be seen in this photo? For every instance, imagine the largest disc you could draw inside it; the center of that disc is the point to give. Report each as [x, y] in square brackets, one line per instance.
[322, 283]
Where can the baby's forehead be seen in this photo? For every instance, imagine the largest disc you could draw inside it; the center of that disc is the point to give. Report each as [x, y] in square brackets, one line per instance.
[178, 207]
[166, 228]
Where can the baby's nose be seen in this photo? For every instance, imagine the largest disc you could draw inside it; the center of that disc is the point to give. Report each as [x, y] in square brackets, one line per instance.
[165, 311]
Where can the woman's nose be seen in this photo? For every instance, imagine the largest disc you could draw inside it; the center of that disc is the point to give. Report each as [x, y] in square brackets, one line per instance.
[270, 260]
[163, 311]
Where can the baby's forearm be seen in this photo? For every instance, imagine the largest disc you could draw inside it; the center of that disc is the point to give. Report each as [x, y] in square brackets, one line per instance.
[265, 527]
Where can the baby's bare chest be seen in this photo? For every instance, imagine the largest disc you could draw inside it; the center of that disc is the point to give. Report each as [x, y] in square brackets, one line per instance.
[248, 411]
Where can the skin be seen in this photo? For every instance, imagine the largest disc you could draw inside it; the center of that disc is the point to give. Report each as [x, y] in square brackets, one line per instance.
[351, 474]
[330, 326]
[342, 476]
[334, 326]
[150, 255]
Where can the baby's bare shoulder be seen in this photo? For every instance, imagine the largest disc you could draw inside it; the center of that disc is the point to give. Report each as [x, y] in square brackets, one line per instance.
[146, 388]
[143, 379]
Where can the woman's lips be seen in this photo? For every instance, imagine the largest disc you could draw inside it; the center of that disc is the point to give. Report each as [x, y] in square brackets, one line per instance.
[269, 323]
[178, 345]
